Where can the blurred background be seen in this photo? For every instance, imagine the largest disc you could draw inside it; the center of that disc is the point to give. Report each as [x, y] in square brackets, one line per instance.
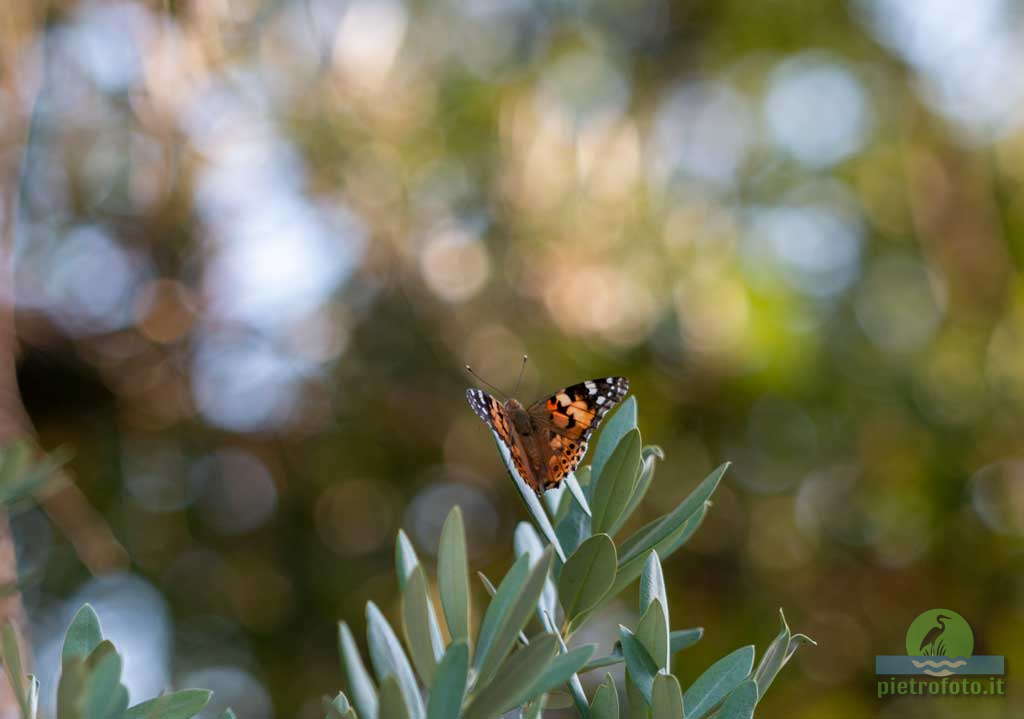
[257, 240]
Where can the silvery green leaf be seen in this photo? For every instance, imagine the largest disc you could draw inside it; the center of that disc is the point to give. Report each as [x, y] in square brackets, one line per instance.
[520, 674]
[718, 680]
[564, 667]
[652, 632]
[642, 668]
[105, 696]
[388, 659]
[449, 687]
[773, 658]
[491, 591]
[615, 484]
[360, 686]
[83, 635]
[526, 541]
[740, 703]
[621, 421]
[514, 619]
[587, 576]
[628, 572]
[500, 606]
[183, 704]
[405, 558]
[666, 698]
[337, 708]
[652, 584]
[575, 686]
[417, 612]
[453, 575]
[649, 458]
[680, 639]
[230, 714]
[577, 493]
[605, 704]
[393, 700]
[653, 534]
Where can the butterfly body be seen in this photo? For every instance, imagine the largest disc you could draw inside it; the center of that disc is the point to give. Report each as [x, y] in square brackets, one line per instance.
[548, 439]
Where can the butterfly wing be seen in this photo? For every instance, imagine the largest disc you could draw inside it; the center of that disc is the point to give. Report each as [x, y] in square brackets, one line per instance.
[494, 416]
[566, 419]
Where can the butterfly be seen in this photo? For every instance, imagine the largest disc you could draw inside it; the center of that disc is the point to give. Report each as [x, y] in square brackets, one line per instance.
[548, 439]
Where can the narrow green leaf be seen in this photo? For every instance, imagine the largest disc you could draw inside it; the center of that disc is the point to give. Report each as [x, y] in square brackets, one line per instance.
[183, 704]
[424, 648]
[491, 591]
[105, 697]
[774, 657]
[629, 571]
[453, 576]
[652, 632]
[405, 558]
[616, 482]
[393, 699]
[526, 541]
[666, 698]
[574, 527]
[587, 576]
[500, 606]
[520, 674]
[740, 703]
[678, 640]
[71, 690]
[797, 641]
[389, 659]
[337, 708]
[230, 714]
[515, 619]
[718, 680]
[577, 493]
[649, 458]
[636, 705]
[564, 667]
[14, 667]
[681, 639]
[33, 697]
[360, 686]
[652, 584]
[642, 668]
[605, 704]
[606, 660]
[449, 687]
[83, 635]
[579, 698]
[654, 533]
[620, 423]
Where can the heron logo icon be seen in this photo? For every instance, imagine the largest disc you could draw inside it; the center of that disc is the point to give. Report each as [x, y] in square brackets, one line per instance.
[940, 644]
[941, 641]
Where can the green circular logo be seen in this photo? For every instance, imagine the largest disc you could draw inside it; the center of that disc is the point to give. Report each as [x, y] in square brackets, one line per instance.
[940, 633]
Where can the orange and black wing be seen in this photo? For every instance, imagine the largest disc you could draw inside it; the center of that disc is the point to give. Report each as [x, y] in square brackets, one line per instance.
[494, 416]
[566, 419]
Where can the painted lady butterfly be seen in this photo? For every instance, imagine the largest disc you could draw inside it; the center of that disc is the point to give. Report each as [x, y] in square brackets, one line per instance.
[548, 439]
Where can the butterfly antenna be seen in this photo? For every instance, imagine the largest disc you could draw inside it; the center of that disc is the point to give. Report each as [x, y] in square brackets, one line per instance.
[483, 381]
[522, 369]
